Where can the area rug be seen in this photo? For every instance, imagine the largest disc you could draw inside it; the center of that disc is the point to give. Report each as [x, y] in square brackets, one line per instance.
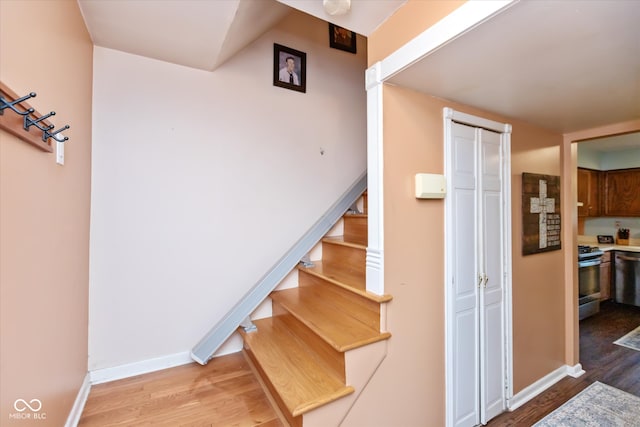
[598, 405]
[631, 340]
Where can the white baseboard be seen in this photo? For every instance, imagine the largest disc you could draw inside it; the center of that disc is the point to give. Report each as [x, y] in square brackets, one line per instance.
[542, 384]
[104, 375]
[99, 376]
[78, 406]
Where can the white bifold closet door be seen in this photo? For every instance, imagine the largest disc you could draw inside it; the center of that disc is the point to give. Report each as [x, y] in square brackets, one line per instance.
[478, 277]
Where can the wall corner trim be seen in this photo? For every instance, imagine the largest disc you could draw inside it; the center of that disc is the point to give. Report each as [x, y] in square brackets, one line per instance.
[373, 76]
[100, 376]
[78, 406]
[542, 384]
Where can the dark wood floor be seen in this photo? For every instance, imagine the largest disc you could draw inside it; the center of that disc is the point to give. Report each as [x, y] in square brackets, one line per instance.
[601, 359]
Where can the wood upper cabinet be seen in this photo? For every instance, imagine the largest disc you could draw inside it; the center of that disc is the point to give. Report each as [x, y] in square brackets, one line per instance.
[622, 192]
[589, 192]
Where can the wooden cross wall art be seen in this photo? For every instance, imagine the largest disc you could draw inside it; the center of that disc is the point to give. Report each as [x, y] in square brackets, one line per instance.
[540, 213]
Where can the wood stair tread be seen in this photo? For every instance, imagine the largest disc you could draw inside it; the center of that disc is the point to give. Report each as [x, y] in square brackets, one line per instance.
[344, 279]
[327, 314]
[301, 380]
[339, 240]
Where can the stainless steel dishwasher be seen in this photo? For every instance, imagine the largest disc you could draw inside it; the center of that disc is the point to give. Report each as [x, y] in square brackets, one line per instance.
[627, 277]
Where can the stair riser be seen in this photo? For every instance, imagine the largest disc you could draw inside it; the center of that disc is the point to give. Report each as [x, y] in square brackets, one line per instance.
[355, 229]
[350, 259]
[332, 358]
[365, 202]
[370, 315]
[361, 362]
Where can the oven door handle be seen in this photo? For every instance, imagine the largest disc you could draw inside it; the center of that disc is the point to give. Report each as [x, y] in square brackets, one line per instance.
[628, 258]
[589, 263]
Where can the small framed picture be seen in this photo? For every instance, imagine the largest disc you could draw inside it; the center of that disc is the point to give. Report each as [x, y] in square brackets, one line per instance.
[341, 38]
[289, 68]
[605, 239]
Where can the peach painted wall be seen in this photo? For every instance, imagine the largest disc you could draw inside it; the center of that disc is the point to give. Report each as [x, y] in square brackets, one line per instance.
[408, 22]
[44, 214]
[411, 380]
[538, 280]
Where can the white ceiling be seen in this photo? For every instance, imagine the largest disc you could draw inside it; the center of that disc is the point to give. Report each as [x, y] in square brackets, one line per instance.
[205, 33]
[363, 18]
[564, 65]
[194, 33]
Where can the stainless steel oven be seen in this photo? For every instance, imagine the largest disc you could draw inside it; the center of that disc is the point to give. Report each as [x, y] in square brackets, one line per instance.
[589, 259]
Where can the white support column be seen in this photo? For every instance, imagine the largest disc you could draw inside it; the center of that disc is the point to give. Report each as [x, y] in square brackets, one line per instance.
[375, 249]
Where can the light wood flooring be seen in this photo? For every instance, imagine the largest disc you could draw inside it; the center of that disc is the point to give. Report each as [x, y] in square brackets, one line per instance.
[225, 392]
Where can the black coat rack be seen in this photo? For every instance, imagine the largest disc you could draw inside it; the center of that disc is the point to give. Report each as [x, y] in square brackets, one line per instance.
[28, 119]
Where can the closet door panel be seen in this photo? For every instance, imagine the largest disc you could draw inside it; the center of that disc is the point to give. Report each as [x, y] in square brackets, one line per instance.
[466, 378]
[476, 230]
[491, 311]
[466, 341]
[465, 280]
[493, 372]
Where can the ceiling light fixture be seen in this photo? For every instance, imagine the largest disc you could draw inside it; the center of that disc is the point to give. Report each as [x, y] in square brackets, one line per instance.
[336, 7]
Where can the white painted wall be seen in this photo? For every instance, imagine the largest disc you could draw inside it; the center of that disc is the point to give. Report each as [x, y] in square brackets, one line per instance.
[623, 159]
[202, 180]
[589, 158]
[607, 225]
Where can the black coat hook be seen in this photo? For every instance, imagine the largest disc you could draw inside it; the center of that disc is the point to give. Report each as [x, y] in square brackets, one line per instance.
[28, 122]
[6, 104]
[46, 134]
[30, 119]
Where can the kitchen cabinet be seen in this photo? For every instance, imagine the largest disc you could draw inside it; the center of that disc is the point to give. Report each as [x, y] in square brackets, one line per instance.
[621, 192]
[589, 192]
[605, 277]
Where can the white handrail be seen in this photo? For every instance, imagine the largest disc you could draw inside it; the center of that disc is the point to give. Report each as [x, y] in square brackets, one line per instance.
[204, 350]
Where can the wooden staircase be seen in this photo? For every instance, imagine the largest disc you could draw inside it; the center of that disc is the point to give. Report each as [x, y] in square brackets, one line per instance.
[326, 337]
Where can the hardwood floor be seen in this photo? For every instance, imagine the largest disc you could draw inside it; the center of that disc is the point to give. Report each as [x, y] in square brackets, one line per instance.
[225, 392]
[601, 359]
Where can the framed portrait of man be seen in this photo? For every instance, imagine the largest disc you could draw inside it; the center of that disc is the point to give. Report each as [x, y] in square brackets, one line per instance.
[289, 68]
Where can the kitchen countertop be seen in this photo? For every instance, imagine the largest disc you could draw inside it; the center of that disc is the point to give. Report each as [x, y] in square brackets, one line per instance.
[593, 241]
[606, 247]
